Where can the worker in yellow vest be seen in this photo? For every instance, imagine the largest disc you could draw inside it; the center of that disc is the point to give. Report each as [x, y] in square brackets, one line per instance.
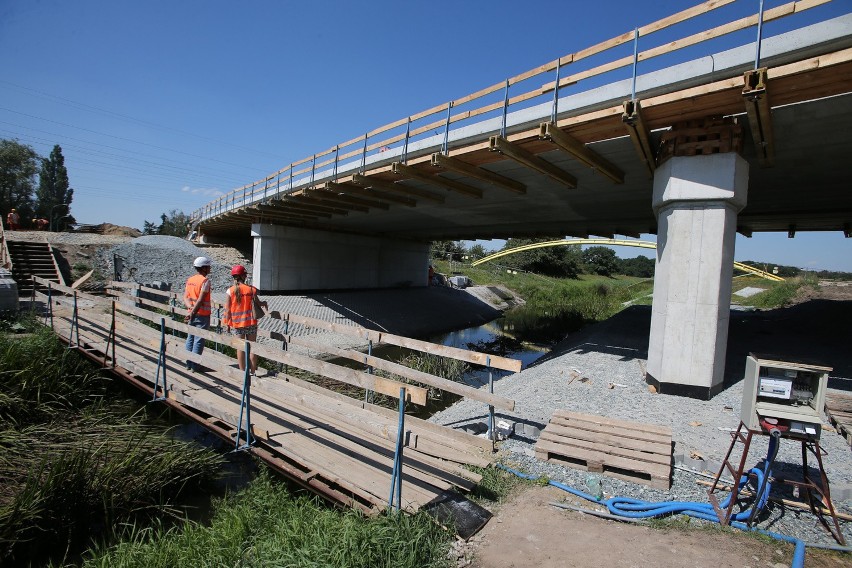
[196, 298]
[242, 309]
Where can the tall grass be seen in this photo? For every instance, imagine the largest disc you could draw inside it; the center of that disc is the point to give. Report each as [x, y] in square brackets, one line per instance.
[265, 526]
[781, 294]
[72, 460]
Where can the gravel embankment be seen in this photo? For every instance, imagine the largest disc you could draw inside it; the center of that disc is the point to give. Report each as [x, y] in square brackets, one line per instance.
[577, 376]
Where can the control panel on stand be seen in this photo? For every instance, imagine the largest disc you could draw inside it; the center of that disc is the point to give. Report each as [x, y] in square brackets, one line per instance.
[787, 396]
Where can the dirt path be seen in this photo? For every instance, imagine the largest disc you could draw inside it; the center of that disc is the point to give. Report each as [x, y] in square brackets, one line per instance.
[527, 531]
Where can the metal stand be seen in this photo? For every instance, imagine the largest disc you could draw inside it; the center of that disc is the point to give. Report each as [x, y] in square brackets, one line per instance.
[811, 487]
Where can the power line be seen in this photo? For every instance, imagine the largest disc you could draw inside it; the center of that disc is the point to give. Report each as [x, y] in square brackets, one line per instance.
[91, 108]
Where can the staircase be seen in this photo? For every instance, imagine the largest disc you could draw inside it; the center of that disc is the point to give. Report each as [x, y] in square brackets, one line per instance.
[32, 259]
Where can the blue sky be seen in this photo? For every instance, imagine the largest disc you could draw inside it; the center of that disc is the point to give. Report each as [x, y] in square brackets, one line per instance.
[165, 105]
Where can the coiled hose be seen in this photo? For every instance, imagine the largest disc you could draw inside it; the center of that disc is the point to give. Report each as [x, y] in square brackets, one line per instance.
[635, 508]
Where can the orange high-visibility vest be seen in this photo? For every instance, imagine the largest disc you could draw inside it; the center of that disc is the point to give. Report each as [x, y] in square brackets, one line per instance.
[241, 313]
[193, 290]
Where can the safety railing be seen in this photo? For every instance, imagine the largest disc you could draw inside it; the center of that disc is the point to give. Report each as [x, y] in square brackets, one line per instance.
[401, 139]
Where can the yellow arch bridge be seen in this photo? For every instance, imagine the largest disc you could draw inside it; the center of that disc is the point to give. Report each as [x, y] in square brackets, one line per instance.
[613, 242]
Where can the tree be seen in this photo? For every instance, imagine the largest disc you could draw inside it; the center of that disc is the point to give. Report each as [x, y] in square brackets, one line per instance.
[175, 223]
[447, 250]
[477, 251]
[600, 260]
[641, 266]
[54, 194]
[18, 165]
[562, 260]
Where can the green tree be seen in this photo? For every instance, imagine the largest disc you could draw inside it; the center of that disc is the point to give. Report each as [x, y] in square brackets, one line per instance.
[563, 260]
[54, 193]
[476, 252]
[600, 260]
[18, 166]
[447, 250]
[641, 266]
[175, 223]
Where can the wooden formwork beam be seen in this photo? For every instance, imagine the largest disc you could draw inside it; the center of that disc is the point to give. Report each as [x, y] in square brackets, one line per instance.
[580, 151]
[530, 160]
[470, 170]
[386, 185]
[452, 185]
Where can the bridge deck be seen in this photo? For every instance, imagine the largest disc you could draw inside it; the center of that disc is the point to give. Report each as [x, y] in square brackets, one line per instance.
[458, 182]
[330, 443]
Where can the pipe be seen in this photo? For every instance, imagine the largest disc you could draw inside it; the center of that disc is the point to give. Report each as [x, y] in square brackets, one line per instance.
[634, 508]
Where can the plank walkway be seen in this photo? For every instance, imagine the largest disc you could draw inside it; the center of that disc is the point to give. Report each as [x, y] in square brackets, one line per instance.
[626, 450]
[838, 408]
[337, 446]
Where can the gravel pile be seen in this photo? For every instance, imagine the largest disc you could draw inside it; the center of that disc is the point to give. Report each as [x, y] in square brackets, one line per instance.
[599, 371]
[157, 258]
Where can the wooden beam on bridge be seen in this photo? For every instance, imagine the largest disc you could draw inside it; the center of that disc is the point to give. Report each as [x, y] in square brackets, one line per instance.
[580, 151]
[756, 96]
[309, 205]
[441, 161]
[280, 213]
[333, 199]
[639, 134]
[370, 194]
[452, 185]
[530, 160]
[374, 182]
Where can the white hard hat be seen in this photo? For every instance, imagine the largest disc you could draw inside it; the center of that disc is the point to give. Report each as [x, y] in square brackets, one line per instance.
[202, 261]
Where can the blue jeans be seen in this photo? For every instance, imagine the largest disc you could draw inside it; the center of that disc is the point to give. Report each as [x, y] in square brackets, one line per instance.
[195, 343]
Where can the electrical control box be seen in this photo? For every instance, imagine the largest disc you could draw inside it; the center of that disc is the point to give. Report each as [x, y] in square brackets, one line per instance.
[790, 393]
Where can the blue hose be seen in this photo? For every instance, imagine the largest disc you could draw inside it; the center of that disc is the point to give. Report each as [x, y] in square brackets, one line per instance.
[636, 508]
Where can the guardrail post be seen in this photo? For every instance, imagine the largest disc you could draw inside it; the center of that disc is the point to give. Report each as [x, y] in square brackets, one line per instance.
[555, 111]
[367, 392]
[396, 474]
[161, 363]
[505, 110]
[50, 304]
[759, 37]
[336, 156]
[405, 144]
[245, 404]
[492, 431]
[110, 340]
[635, 62]
[445, 145]
[364, 154]
[75, 327]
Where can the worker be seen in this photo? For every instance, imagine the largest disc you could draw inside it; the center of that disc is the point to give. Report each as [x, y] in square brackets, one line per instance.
[242, 309]
[196, 298]
[13, 220]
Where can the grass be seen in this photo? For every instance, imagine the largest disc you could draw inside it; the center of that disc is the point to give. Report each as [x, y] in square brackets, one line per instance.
[75, 458]
[780, 294]
[266, 526]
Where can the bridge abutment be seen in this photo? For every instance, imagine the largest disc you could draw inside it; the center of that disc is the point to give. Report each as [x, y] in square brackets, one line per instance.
[292, 258]
[696, 200]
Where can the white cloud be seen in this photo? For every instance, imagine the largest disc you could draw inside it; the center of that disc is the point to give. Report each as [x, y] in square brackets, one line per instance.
[204, 191]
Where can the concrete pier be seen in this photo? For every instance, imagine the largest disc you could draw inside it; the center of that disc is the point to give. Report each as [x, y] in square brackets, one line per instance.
[696, 200]
[292, 258]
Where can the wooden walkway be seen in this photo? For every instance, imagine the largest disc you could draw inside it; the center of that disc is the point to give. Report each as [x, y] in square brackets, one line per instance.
[339, 447]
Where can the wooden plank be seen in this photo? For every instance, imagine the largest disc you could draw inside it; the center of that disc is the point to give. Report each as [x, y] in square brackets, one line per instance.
[458, 166]
[570, 443]
[658, 452]
[452, 185]
[606, 421]
[474, 357]
[403, 371]
[615, 466]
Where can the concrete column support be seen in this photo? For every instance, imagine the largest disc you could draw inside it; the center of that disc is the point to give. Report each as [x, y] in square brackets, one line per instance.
[696, 200]
[291, 258]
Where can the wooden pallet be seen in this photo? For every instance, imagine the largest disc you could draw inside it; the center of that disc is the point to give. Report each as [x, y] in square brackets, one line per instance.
[631, 451]
[838, 408]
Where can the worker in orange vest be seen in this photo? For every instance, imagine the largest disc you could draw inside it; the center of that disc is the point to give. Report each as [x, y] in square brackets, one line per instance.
[196, 298]
[241, 306]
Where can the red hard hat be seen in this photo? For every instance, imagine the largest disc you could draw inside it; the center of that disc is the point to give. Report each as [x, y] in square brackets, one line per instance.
[238, 270]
